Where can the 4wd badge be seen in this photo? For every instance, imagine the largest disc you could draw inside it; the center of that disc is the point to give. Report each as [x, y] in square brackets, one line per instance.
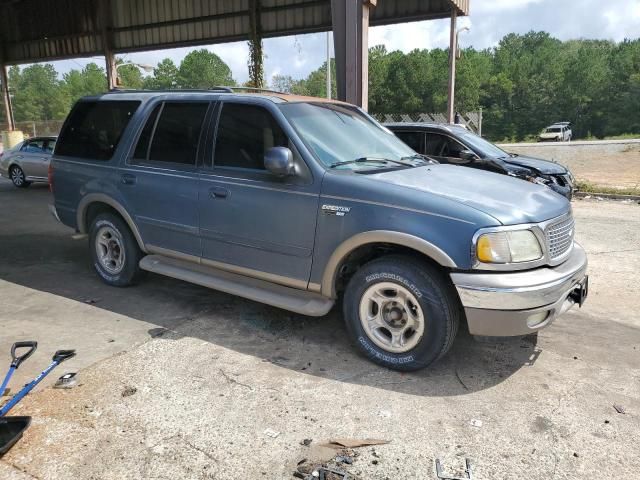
[335, 210]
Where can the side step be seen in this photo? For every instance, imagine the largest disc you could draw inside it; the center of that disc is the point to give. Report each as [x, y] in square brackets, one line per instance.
[299, 301]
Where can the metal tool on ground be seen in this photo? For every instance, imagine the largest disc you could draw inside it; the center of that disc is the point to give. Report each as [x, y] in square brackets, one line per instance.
[68, 380]
[12, 428]
[444, 476]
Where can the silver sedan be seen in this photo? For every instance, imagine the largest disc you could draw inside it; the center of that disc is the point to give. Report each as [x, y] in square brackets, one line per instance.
[28, 161]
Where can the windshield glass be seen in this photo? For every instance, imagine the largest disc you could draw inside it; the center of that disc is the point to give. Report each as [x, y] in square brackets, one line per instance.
[553, 129]
[340, 133]
[481, 146]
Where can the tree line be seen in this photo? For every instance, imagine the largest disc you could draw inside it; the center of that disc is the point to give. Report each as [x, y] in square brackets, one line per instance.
[523, 84]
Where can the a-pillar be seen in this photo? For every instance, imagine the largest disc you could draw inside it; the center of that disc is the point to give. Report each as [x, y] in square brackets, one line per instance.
[351, 37]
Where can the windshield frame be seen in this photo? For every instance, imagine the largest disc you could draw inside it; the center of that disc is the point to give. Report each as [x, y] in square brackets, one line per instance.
[484, 153]
[403, 151]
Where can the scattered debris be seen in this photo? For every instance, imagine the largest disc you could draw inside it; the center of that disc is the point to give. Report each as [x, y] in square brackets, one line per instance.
[92, 301]
[306, 442]
[475, 423]
[575, 454]
[128, 391]
[619, 408]
[111, 340]
[344, 459]
[444, 476]
[157, 332]
[271, 433]
[68, 380]
[339, 443]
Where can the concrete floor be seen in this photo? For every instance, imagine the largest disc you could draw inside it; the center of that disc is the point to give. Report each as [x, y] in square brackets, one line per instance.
[225, 370]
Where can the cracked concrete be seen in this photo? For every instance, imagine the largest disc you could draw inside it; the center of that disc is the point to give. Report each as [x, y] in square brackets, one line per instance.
[212, 373]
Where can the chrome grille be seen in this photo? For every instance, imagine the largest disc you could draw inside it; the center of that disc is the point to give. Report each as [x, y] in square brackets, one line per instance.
[559, 237]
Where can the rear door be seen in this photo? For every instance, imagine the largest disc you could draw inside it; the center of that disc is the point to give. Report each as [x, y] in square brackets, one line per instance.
[34, 158]
[251, 221]
[160, 179]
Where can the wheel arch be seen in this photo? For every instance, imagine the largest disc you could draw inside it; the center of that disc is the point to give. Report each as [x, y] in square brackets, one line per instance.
[94, 200]
[367, 241]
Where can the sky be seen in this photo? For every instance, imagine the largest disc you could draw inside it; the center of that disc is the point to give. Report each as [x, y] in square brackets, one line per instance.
[489, 21]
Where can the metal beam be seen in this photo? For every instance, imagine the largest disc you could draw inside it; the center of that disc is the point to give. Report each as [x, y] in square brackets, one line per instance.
[452, 67]
[107, 43]
[350, 34]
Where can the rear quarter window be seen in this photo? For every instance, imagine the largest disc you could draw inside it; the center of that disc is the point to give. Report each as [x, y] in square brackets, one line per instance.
[93, 129]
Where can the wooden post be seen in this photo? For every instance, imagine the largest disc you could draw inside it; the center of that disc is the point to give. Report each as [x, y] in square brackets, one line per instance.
[452, 66]
[104, 21]
[6, 98]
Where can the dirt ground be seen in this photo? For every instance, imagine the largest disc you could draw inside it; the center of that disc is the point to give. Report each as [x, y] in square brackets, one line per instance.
[177, 381]
[615, 164]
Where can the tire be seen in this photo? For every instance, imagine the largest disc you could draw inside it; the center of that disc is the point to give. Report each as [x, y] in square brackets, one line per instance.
[17, 176]
[117, 263]
[429, 300]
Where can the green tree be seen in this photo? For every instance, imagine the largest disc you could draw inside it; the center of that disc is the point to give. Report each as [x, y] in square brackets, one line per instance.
[165, 76]
[37, 93]
[203, 69]
[88, 81]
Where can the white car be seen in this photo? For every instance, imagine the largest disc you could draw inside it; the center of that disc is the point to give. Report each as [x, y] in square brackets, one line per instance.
[558, 132]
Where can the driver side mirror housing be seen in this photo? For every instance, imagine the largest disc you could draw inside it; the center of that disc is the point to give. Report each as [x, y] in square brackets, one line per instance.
[279, 161]
[468, 155]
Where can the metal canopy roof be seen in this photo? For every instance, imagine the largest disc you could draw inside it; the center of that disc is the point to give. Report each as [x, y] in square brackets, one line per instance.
[39, 30]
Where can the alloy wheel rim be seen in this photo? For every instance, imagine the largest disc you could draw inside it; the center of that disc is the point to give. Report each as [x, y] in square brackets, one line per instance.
[392, 317]
[17, 176]
[110, 250]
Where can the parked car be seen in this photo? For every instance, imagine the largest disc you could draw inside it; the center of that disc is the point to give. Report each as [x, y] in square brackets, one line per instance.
[28, 161]
[558, 132]
[456, 145]
[298, 202]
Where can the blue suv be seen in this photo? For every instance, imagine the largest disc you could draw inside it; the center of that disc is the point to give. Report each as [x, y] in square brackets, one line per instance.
[298, 202]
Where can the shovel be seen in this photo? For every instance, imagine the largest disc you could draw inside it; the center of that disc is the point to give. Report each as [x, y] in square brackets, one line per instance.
[12, 428]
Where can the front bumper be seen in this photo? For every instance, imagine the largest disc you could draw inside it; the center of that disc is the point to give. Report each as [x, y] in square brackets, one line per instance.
[519, 303]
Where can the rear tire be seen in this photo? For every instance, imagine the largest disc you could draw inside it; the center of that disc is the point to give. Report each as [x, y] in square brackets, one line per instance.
[401, 313]
[18, 177]
[114, 251]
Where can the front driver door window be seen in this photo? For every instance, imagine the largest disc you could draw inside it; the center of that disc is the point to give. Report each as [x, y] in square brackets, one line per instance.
[445, 149]
[413, 139]
[251, 220]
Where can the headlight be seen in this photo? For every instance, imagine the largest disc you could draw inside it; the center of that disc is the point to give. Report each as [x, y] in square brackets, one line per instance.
[508, 247]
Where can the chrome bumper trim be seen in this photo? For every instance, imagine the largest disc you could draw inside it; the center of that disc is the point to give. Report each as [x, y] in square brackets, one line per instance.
[54, 212]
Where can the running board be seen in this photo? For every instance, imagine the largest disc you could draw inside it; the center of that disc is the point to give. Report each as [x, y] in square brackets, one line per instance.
[299, 301]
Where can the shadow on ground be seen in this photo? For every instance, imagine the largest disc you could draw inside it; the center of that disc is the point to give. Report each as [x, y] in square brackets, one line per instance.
[37, 252]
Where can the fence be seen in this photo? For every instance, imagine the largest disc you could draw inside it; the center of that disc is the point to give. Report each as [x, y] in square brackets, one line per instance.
[471, 119]
[36, 128]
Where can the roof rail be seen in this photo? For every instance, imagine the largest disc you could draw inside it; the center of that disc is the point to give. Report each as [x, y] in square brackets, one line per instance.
[254, 89]
[224, 89]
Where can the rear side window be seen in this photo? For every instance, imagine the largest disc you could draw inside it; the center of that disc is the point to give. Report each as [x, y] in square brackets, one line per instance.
[414, 139]
[33, 146]
[245, 133]
[93, 129]
[173, 137]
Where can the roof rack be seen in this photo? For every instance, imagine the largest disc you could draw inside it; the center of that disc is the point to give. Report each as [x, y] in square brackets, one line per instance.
[224, 89]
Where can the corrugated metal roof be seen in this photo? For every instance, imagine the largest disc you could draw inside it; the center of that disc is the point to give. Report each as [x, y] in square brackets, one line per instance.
[38, 30]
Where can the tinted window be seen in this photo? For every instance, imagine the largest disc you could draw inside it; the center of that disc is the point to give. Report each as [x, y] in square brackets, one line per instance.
[142, 148]
[414, 139]
[177, 133]
[442, 146]
[245, 133]
[51, 144]
[93, 129]
[33, 146]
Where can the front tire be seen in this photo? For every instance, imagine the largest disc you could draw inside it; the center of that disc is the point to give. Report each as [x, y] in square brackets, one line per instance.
[114, 251]
[401, 313]
[18, 177]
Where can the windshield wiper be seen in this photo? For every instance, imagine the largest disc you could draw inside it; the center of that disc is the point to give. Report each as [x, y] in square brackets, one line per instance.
[369, 160]
[419, 156]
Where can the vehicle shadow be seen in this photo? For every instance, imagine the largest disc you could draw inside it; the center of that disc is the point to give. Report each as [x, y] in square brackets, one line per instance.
[38, 253]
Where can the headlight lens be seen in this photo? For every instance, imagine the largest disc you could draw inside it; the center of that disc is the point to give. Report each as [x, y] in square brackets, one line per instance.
[508, 247]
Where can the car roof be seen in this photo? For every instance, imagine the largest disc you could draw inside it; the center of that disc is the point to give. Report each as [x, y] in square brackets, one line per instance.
[218, 92]
[45, 137]
[426, 126]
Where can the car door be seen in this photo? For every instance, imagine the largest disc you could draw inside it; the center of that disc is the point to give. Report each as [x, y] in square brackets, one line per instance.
[251, 221]
[33, 158]
[160, 180]
[413, 138]
[445, 149]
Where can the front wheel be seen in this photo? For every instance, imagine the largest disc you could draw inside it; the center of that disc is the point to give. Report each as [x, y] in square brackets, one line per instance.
[114, 251]
[18, 177]
[401, 313]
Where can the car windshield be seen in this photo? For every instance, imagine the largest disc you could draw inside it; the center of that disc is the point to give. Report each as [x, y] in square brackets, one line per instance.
[481, 146]
[340, 133]
[554, 129]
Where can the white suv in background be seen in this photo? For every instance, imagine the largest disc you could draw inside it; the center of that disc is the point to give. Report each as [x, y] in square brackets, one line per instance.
[558, 132]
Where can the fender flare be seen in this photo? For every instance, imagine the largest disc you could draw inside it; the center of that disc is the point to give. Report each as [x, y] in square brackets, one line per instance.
[328, 286]
[102, 198]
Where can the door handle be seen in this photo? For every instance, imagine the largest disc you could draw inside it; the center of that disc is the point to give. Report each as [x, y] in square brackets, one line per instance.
[128, 179]
[219, 192]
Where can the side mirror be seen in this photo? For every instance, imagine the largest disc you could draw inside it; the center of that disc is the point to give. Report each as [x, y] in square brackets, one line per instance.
[468, 156]
[279, 161]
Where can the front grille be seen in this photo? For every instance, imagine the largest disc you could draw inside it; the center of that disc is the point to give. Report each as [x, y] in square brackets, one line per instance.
[559, 237]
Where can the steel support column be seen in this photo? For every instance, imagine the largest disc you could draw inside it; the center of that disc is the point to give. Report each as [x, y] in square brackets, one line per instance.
[104, 22]
[351, 37]
[6, 98]
[452, 66]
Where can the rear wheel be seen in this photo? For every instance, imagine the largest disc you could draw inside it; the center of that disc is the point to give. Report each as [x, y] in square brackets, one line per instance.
[401, 313]
[17, 177]
[114, 251]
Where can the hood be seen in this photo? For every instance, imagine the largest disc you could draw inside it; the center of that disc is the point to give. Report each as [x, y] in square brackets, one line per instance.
[543, 166]
[509, 200]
